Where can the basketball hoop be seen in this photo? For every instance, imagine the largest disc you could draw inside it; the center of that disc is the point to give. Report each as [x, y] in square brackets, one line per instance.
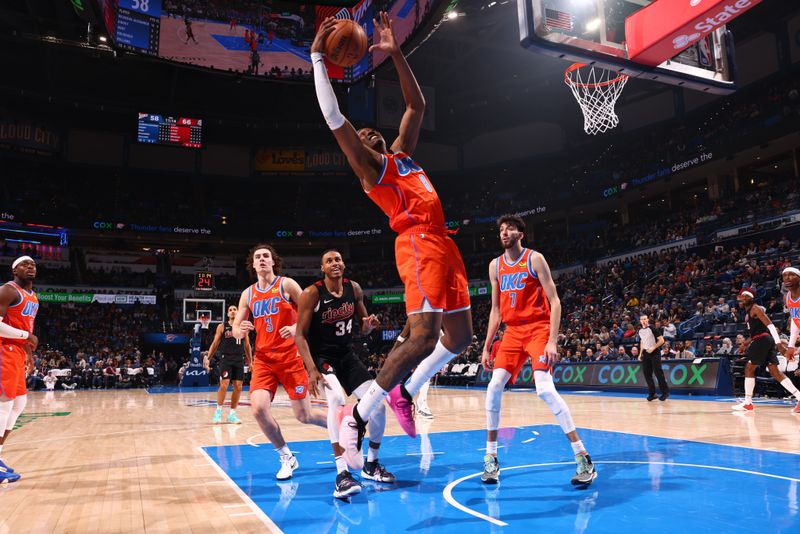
[204, 322]
[596, 90]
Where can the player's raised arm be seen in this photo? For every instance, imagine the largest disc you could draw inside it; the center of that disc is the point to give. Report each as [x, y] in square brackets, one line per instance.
[411, 122]
[366, 163]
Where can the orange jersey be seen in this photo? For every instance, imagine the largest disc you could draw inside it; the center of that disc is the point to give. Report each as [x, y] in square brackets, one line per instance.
[404, 193]
[21, 313]
[271, 311]
[794, 308]
[522, 298]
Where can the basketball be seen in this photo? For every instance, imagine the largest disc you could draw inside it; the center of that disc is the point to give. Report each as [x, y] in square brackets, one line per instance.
[347, 44]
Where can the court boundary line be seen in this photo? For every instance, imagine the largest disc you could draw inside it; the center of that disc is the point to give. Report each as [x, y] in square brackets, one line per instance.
[447, 492]
[265, 519]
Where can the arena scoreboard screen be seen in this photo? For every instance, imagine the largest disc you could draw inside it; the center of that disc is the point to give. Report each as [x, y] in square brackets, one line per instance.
[139, 25]
[162, 130]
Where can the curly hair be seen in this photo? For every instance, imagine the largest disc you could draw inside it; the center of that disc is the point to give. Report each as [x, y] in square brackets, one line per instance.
[277, 260]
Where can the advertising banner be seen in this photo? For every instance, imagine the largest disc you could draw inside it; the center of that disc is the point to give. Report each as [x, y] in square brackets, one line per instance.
[707, 375]
[86, 298]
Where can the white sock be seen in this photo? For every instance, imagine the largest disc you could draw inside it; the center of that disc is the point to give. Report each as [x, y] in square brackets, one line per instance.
[233, 411]
[749, 387]
[340, 464]
[491, 448]
[422, 399]
[372, 454]
[219, 407]
[429, 367]
[577, 447]
[284, 451]
[370, 401]
[787, 384]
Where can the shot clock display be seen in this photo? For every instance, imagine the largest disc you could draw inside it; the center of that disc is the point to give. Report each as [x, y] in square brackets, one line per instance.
[203, 281]
[171, 131]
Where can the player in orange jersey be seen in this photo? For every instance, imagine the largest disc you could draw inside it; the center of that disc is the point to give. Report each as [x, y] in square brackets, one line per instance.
[524, 297]
[272, 301]
[18, 308]
[791, 281]
[428, 261]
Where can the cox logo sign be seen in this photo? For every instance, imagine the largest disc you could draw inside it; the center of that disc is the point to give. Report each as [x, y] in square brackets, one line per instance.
[102, 225]
[284, 233]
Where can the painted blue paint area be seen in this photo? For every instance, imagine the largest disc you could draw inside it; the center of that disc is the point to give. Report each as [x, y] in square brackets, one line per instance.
[237, 43]
[665, 485]
[406, 9]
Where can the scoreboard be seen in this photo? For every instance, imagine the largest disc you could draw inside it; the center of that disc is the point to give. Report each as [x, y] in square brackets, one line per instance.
[171, 131]
[139, 25]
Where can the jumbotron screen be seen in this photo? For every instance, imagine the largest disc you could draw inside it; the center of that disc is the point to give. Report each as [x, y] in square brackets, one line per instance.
[162, 130]
[261, 38]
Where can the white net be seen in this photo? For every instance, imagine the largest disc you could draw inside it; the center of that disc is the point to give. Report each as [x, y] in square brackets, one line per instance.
[596, 90]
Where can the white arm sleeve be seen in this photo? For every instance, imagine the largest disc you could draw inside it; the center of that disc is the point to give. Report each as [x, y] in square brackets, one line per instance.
[325, 95]
[793, 334]
[774, 331]
[8, 331]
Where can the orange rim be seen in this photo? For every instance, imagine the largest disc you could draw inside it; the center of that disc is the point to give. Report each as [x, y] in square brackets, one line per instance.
[576, 66]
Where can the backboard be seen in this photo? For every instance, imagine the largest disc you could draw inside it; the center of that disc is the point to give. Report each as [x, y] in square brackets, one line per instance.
[594, 32]
[193, 309]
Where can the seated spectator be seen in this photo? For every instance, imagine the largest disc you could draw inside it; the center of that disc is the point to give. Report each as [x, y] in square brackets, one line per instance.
[621, 354]
[726, 348]
[670, 331]
[708, 351]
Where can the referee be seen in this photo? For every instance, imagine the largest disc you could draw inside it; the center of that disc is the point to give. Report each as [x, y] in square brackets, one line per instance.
[650, 341]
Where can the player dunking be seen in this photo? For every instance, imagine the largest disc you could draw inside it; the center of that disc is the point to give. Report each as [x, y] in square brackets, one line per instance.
[524, 297]
[325, 319]
[761, 349]
[428, 261]
[234, 356]
[272, 302]
[18, 308]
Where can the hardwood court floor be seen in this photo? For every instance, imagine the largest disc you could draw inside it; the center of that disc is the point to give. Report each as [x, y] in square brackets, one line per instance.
[130, 461]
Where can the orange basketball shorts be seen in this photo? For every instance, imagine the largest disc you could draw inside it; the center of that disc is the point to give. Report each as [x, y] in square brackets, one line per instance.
[12, 370]
[519, 342]
[432, 271]
[273, 368]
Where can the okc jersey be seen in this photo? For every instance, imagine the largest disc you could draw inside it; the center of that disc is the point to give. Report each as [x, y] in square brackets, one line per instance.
[21, 314]
[271, 311]
[405, 195]
[332, 326]
[522, 299]
[794, 308]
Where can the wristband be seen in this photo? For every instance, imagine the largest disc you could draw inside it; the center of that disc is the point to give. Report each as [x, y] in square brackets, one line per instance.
[400, 339]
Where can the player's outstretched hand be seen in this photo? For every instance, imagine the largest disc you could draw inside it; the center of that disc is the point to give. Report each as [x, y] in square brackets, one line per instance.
[387, 44]
[288, 331]
[486, 360]
[325, 29]
[791, 353]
